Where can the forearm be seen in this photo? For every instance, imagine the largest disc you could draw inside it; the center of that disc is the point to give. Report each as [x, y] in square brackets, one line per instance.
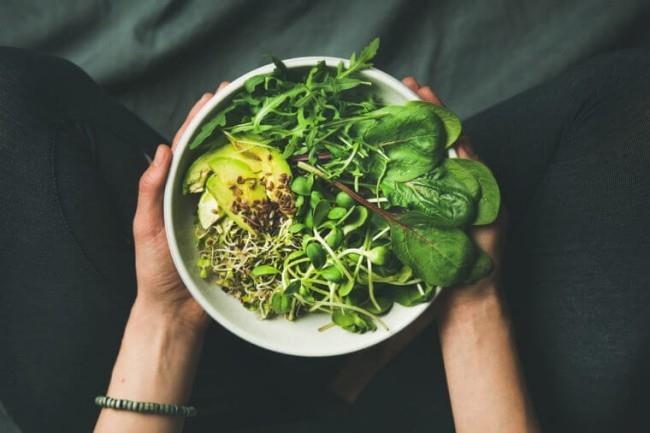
[156, 363]
[486, 387]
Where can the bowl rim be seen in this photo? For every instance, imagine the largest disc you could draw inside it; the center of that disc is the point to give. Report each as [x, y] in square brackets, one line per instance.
[291, 63]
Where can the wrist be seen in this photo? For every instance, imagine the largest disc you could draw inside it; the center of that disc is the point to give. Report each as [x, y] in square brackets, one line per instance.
[158, 358]
[482, 300]
[187, 317]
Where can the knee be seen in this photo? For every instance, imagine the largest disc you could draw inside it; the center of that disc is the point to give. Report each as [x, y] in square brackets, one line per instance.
[620, 77]
[35, 88]
[31, 75]
[613, 110]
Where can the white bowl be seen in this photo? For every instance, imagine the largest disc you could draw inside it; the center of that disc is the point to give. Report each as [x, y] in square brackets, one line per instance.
[301, 337]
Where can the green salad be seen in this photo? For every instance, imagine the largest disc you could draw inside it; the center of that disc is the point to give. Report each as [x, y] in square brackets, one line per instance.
[316, 196]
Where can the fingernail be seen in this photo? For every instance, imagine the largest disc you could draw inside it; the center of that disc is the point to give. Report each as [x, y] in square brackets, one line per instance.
[159, 156]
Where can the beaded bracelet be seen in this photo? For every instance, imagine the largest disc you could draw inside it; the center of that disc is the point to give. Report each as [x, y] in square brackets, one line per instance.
[145, 407]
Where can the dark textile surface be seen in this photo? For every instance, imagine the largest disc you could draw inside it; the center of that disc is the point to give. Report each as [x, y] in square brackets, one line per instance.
[572, 157]
[159, 56]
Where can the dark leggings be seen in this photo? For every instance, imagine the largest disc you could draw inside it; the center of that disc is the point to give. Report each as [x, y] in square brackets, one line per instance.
[572, 157]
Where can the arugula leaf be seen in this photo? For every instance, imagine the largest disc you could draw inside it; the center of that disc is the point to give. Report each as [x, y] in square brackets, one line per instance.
[251, 84]
[363, 61]
[281, 70]
[440, 256]
[488, 205]
[219, 120]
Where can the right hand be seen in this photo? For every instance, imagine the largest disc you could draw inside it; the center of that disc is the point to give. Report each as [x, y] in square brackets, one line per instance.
[490, 238]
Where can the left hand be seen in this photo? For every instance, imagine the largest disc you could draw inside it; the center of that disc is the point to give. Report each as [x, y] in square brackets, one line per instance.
[160, 288]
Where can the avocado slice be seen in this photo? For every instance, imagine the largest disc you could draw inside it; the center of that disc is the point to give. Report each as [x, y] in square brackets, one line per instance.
[237, 190]
[198, 173]
[268, 164]
[208, 210]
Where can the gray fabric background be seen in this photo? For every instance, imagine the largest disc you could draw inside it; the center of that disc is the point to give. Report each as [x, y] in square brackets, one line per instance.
[157, 57]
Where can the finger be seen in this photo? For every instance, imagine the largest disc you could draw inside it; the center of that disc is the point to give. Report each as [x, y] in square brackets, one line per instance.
[148, 219]
[195, 109]
[428, 95]
[411, 83]
[465, 150]
[222, 85]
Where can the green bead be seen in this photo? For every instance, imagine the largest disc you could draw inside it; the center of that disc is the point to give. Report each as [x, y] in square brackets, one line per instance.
[144, 407]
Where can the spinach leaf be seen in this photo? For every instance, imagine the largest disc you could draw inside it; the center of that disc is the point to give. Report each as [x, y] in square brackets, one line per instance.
[411, 136]
[482, 267]
[440, 256]
[456, 174]
[452, 123]
[488, 205]
[443, 199]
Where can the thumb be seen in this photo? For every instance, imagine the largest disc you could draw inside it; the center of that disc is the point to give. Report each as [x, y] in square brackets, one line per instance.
[148, 219]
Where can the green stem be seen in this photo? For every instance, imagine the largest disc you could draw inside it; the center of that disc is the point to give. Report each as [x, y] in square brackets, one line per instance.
[332, 254]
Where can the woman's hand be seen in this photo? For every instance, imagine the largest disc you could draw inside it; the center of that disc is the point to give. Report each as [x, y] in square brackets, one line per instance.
[489, 238]
[164, 334]
[160, 289]
[486, 387]
[362, 367]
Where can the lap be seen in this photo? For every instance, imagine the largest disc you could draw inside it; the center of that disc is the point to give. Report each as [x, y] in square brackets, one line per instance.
[68, 190]
[574, 161]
